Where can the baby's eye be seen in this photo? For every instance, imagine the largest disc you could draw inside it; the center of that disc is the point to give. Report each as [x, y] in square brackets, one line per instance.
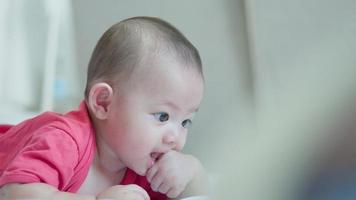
[187, 123]
[161, 116]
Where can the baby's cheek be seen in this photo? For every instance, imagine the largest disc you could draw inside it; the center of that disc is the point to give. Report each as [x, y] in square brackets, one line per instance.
[180, 144]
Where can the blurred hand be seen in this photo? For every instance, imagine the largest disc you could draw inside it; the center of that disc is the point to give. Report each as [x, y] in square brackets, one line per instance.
[124, 192]
[172, 173]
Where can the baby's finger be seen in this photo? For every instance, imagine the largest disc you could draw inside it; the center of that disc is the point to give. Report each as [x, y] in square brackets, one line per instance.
[156, 181]
[173, 193]
[163, 188]
[151, 173]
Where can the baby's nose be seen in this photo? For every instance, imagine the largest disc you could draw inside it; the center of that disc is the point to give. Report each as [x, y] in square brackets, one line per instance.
[171, 138]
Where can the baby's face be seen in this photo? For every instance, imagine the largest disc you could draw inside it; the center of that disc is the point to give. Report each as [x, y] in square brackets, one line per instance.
[152, 112]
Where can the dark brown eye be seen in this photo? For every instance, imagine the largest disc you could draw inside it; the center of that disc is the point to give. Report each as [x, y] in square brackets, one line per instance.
[187, 123]
[161, 116]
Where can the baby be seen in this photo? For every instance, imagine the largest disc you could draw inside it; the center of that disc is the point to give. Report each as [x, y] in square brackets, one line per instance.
[144, 85]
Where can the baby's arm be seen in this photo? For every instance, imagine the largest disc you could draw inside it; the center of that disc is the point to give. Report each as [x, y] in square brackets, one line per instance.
[121, 192]
[38, 191]
[199, 184]
[47, 192]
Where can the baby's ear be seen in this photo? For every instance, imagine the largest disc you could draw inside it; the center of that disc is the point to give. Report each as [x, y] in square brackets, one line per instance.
[99, 99]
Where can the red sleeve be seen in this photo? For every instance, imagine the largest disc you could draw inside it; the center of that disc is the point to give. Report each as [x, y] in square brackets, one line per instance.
[49, 157]
[4, 128]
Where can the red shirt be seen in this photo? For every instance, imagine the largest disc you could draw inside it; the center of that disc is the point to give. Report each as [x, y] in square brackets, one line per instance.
[55, 149]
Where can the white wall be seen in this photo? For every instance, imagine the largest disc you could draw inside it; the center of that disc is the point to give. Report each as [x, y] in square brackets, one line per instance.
[20, 63]
[38, 71]
[304, 64]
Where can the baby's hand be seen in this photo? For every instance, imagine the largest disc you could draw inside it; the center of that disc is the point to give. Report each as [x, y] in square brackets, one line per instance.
[172, 173]
[124, 192]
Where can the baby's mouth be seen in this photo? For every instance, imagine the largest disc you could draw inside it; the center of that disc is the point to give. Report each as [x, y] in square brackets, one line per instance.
[155, 156]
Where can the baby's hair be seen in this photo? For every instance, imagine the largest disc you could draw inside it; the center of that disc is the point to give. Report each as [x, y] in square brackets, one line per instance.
[126, 44]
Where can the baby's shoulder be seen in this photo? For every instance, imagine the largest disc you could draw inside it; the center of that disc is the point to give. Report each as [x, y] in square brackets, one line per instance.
[78, 128]
[51, 124]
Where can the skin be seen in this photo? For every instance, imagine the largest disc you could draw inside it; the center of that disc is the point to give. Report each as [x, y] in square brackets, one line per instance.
[141, 125]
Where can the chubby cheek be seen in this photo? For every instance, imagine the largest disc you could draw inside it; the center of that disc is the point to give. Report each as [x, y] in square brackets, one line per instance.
[134, 157]
[141, 142]
[181, 142]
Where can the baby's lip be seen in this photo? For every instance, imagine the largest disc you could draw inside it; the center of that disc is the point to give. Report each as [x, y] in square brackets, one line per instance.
[156, 155]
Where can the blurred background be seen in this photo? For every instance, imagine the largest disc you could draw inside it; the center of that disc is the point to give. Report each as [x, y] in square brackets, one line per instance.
[277, 121]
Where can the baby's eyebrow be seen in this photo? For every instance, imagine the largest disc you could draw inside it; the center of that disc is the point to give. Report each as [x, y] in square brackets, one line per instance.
[171, 104]
[176, 107]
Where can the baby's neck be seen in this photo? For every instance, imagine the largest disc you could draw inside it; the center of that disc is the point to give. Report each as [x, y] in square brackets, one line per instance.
[100, 178]
[107, 162]
[106, 159]
[109, 169]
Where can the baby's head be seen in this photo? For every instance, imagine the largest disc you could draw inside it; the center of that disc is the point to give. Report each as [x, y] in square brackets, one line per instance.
[132, 43]
[144, 84]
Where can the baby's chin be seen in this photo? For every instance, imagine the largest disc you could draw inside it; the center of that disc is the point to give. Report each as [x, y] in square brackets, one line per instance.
[142, 171]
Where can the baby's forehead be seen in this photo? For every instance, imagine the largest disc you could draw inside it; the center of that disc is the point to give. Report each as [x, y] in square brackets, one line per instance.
[159, 69]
